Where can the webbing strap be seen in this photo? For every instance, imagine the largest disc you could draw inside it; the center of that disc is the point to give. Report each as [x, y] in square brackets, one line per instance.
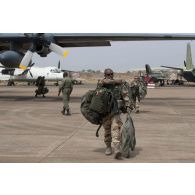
[97, 132]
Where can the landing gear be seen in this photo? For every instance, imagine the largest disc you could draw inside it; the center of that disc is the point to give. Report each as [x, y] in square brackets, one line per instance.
[162, 83]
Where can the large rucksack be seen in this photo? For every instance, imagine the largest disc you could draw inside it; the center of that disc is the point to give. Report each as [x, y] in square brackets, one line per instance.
[90, 115]
[101, 101]
[95, 105]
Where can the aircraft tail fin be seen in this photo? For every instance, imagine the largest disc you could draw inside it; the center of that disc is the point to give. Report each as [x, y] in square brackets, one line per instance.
[188, 63]
[148, 69]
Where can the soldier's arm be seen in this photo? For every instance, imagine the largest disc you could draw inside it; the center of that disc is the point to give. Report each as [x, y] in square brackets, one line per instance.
[71, 87]
[61, 86]
[111, 82]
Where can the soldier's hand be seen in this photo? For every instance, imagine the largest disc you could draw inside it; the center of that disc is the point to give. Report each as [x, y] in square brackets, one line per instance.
[129, 109]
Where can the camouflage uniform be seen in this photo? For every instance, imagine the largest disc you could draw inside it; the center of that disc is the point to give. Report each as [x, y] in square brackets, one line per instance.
[112, 123]
[142, 88]
[66, 87]
[40, 83]
[135, 94]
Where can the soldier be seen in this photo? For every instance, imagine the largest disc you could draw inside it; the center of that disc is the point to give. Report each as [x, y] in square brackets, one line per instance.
[40, 83]
[142, 88]
[112, 123]
[135, 93]
[66, 87]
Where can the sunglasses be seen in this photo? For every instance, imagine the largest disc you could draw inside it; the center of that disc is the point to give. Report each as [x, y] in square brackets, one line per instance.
[110, 74]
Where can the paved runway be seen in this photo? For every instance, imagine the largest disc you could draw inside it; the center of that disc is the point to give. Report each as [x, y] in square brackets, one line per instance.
[33, 129]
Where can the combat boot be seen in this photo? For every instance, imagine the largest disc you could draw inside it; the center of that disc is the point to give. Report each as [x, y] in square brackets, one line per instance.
[63, 111]
[108, 149]
[117, 151]
[68, 112]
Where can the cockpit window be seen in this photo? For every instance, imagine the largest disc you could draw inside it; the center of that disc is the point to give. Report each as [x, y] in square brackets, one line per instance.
[55, 70]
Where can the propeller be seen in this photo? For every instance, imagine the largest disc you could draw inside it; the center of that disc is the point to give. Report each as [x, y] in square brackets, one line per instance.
[44, 41]
[25, 72]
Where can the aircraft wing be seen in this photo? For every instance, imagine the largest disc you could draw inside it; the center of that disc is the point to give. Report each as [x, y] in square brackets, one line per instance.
[175, 68]
[104, 39]
[88, 39]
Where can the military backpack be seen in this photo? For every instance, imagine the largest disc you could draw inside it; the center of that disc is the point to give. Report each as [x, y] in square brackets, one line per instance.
[96, 104]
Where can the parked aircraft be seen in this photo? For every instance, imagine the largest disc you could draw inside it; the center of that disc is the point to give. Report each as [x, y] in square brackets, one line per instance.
[188, 72]
[51, 73]
[154, 76]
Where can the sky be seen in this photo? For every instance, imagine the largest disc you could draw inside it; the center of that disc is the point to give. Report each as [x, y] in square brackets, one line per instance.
[121, 56]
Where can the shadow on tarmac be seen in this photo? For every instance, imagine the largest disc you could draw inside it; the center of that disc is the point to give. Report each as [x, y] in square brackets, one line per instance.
[38, 99]
[133, 154]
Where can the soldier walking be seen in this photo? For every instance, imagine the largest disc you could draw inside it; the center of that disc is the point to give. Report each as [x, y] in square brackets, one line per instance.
[66, 88]
[135, 93]
[112, 123]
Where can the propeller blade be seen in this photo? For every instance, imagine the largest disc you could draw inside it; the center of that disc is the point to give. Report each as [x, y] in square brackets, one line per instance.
[24, 72]
[31, 74]
[26, 60]
[31, 65]
[57, 49]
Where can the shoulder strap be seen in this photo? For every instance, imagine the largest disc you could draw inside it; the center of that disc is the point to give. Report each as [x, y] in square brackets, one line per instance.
[97, 131]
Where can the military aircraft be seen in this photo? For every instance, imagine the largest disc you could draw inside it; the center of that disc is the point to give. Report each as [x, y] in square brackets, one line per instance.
[156, 77]
[17, 49]
[188, 72]
[51, 73]
[31, 74]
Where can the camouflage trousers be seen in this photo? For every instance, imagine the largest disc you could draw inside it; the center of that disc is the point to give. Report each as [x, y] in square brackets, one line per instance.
[112, 126]
[66, 98]
[136, 104]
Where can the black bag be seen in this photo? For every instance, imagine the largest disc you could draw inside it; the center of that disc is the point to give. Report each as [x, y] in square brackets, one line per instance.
[41, 91]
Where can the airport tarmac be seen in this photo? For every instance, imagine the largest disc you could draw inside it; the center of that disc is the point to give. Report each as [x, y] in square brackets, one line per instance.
[33, 129]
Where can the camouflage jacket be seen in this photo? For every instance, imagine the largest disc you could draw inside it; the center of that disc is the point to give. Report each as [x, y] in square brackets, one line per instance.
[66, 84]
[135, 87]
